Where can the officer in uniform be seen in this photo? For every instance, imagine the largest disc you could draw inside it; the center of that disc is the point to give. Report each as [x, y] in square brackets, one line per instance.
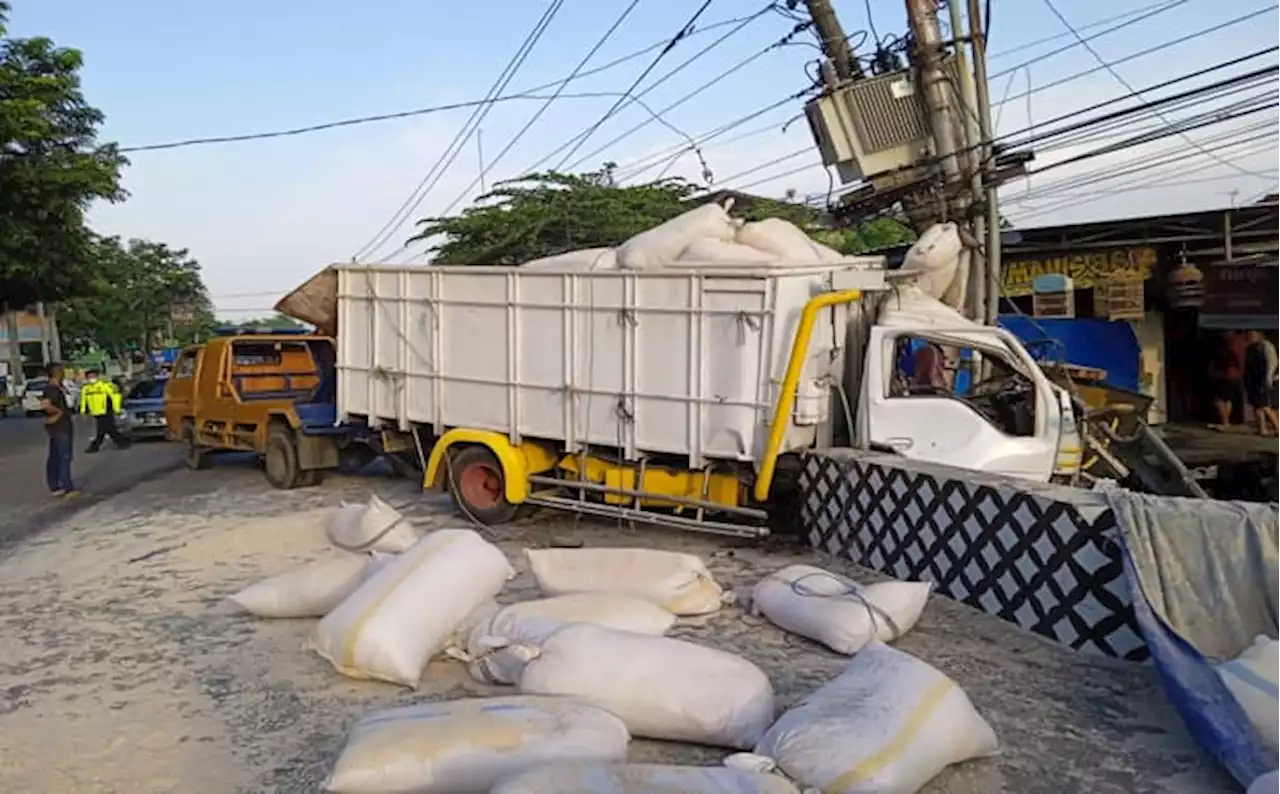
[103, 401]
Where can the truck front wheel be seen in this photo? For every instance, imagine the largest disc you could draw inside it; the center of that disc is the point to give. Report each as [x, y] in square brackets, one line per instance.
[193, 455]
[478, 486]
[280, 460]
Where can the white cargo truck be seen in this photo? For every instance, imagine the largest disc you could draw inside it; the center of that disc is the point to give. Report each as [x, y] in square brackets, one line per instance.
[678, 396]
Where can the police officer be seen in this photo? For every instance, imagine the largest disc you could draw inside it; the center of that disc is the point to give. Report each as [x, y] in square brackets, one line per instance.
[102, 400]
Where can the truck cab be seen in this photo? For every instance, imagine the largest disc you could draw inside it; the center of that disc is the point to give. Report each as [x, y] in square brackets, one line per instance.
[940, 388]
[271, 394]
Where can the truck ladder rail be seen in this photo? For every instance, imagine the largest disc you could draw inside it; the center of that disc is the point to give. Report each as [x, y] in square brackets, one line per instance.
[701, 504]
[648, 517]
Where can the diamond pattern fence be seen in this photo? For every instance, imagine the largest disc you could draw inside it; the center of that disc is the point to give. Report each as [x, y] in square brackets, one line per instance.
[1019, 555]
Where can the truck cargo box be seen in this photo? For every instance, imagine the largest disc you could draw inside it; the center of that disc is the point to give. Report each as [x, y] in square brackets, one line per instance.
[685, 361]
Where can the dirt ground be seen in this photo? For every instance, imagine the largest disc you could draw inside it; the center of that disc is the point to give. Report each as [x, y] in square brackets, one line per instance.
[123, 669]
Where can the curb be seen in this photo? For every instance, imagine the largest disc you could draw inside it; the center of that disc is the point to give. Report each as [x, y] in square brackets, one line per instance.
[62, 510]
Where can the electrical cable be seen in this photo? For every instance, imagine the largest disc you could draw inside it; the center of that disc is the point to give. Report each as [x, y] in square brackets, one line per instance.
[1118, 77]
[617, 23]
[437, 171]
[742, 23]
[1149, 51]
[528, 93]
[1084, 42]
[680, 36]
[1096, 23]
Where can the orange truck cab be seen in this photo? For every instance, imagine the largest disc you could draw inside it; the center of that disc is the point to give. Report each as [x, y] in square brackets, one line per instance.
[272, 394]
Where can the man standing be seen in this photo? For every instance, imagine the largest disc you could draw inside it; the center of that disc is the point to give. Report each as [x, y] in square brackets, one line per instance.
[1260, 365]
[57, 423]
[101, 400]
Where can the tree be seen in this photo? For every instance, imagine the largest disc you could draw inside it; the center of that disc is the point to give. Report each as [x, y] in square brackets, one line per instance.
[51, 168]
[143, 294]
[276, 322]
[547, 214]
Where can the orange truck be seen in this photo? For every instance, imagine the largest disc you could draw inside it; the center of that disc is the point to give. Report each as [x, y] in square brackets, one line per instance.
[271, 394]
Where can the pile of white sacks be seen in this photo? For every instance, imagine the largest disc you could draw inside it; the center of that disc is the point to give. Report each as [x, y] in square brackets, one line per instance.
[593, 669]
[708, 236]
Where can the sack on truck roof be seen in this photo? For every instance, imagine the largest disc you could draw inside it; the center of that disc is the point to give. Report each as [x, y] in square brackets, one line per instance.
[787, 242]
[660, 246]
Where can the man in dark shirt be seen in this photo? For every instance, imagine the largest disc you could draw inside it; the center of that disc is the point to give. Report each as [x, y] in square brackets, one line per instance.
[57, 423]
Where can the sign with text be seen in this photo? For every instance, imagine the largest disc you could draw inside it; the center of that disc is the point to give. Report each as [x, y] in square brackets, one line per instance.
[1086, 269]
[1240, 295]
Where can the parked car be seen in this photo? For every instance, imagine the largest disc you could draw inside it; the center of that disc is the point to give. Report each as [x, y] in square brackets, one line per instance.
[144, 409]
[31, 395]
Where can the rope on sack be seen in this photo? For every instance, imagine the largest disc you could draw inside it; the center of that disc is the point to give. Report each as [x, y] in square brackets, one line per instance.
[368, 544]
[851, 589]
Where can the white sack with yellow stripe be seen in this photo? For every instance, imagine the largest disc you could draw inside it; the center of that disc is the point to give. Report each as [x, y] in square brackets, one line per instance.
[409, 610]
[679, 583]
[660, 687]
[837, 611]
[598, 778]
[888, 724]
[464, 746]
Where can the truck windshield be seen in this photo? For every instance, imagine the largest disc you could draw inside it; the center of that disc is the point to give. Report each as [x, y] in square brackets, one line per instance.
[147, 390]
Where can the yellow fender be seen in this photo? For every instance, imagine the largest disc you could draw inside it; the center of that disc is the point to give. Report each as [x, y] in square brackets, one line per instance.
[517, 462]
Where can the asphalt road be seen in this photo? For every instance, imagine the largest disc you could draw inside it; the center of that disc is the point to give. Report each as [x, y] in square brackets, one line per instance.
[25, 503]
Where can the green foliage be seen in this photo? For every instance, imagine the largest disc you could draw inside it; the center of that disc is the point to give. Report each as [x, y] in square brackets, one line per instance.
[276, 322]
[871, 235]
[141, 294]
[51, 168]
[548, 214]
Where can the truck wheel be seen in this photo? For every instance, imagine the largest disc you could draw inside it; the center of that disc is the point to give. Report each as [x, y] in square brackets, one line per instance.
[280, 460]
[194, 456]
[478, 487]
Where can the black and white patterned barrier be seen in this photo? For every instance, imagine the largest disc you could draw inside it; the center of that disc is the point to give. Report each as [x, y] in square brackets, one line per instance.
[1037, 555]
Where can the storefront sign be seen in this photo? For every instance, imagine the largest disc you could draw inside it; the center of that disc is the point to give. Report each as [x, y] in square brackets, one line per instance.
[1240, 294]
[1086, 269]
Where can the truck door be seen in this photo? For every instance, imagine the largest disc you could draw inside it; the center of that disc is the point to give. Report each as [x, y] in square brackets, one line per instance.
[180, 392]
[973, 399]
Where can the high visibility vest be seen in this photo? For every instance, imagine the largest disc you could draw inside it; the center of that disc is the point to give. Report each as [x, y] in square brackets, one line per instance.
[99, 397]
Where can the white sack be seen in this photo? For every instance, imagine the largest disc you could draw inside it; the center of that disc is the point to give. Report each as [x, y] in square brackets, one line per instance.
[308, 590]
[658, 247]
[376, 526]
[600, 778]
[888, 724]
[1251, 679]
[710, 251]
[787, 242]
[582, 259]
[660, 687]
[469, 745]
[496, 647]
[393, 623]
[679, 583]
[935, 256]
[836, 611]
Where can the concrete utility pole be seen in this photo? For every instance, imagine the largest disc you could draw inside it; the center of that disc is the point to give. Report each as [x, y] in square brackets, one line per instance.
[971, 162]
[994, 268]
[835, 44]
[941, 101]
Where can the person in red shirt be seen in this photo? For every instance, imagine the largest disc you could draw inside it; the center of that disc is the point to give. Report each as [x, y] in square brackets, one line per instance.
[1226, 374]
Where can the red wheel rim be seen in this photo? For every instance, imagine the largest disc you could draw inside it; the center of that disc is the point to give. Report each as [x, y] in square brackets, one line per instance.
[481, 486]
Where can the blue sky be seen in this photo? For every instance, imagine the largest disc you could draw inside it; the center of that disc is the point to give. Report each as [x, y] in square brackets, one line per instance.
[262, 216]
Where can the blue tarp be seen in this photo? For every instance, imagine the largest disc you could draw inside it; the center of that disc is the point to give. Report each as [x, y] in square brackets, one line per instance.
[1086, 342]
[1202, 575]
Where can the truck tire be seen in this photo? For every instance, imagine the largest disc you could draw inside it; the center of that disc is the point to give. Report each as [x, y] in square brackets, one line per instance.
[194, 456]
[478, 486]
[280, 460]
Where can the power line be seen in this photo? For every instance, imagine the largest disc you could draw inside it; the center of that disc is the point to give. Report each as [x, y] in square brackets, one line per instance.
[1120, 79]
[695, 92]
[433, 176]
[741, 23]
[1148, 51]
[529, 93]
[626, 12]
[1096, 23]
[680, 36]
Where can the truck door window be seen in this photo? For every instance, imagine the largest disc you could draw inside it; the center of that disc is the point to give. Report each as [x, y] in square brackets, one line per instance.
[186, 366]
[998, 392]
